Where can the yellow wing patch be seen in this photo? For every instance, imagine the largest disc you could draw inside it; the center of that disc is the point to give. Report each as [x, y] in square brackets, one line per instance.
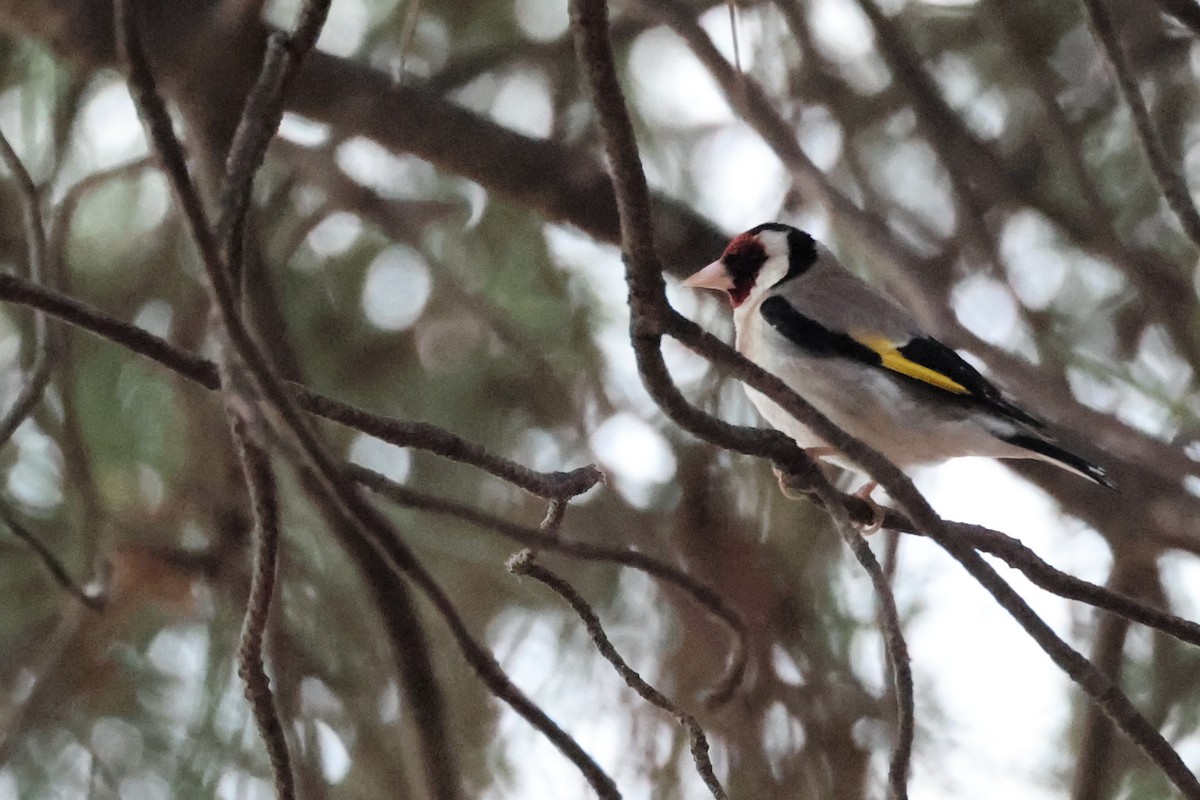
[894, 360]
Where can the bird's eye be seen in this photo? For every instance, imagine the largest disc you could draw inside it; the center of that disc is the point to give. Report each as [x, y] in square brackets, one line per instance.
[743, 258]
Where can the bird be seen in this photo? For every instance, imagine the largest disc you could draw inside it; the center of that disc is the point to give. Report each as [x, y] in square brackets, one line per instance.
[862, 360]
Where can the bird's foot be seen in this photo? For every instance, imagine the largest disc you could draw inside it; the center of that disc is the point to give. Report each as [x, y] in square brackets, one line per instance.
[790, 485]
[877, 511]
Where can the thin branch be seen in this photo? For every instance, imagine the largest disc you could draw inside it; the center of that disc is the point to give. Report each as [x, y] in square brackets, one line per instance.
[523, 564]
[264, 502]
[402, 433]
[258, 124]
[308, 29]
[397, 555]
[1174, 189]
[1020, 557]
[51, 562]
[546, 537]
[35, 235]
[547, 485]
[68, 309]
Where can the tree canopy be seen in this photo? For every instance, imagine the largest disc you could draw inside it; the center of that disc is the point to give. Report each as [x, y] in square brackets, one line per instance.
[358, 442]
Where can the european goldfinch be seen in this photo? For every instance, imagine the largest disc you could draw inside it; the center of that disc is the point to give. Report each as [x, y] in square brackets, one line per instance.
[861, 360]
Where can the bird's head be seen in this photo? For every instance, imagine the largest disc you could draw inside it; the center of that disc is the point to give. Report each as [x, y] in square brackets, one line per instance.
[757, 260]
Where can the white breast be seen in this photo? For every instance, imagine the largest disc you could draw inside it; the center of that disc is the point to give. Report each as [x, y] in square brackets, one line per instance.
[864, 401]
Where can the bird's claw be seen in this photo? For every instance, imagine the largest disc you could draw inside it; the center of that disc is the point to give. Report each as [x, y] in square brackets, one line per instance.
[877, 511]
[787, 484]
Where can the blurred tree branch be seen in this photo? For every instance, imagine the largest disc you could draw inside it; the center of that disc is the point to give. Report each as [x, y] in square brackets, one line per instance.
[231, 77]
[524, 564]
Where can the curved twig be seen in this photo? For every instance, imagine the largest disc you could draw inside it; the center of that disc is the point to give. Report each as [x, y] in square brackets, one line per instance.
[523, 564]
[35, 234]
[264, 502]
[1178, 196]
[200, 370]
[259, 121]
[51, 562]
[546, 537]
[405, 433]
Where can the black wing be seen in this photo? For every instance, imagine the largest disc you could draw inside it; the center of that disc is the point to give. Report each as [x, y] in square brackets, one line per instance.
[924, 361]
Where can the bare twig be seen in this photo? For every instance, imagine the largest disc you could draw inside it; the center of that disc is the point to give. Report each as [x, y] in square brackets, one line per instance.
[1174, 189]
[259, 121]
[257, 126]
[548, 485]
[1161, 285]
[541, 539]
[35, 235]
[523, 563]
[402, 433]
[51, 562]
[264, 501]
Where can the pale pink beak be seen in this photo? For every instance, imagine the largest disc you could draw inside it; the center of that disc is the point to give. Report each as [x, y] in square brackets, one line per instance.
[714, 276]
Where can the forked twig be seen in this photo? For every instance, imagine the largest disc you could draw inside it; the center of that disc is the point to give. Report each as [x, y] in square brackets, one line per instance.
[541, 539]
[51, 562]
[1174, 189]
[523, 563]
[35, 235]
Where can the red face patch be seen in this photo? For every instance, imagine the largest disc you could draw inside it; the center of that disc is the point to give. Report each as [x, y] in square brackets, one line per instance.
[740, 245]
[743, 258]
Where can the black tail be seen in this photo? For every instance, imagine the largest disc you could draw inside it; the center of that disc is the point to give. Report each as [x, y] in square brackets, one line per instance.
[1060, 456]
